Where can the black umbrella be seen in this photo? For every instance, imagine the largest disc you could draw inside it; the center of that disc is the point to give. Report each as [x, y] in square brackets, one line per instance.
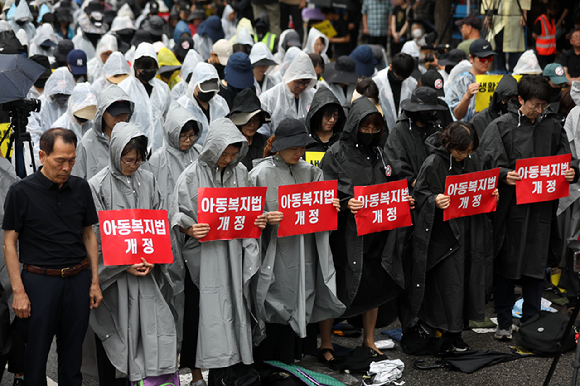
[17, 75]
[469, 361]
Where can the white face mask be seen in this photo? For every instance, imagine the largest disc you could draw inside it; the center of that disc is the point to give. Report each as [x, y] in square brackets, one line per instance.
[417, 33]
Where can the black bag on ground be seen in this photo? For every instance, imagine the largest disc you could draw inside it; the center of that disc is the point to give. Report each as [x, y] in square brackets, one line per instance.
[236, 375]
[420, 339]
[543, 333]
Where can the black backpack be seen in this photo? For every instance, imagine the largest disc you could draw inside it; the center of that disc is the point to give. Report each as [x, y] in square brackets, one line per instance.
[543, 333]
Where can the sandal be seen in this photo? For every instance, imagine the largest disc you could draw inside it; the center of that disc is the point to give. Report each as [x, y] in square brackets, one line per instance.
[321, 357]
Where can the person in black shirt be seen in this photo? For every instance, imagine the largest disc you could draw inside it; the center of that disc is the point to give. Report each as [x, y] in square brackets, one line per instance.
[49, 215]
[341, 42]
[571, 59]
[399, 27]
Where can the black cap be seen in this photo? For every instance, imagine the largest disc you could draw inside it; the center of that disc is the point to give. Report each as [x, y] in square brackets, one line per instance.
[62, 50]
[481, 48]
[153, 7]
[433, 79]
[471, 20]
[341, 71]
[453, 57]
[183, 45]
[422, 99]
[291, 133]
[119, 107]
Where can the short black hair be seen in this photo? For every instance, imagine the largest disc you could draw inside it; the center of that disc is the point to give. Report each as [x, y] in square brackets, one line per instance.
[240, 47]
[403, 65]
[327, 10]
[374, 118]
[139, 144]
[573, 32]
[367, 87]
[317, 60]
[190, 125]
[534, 86]
[326, 109]
[459, 135]
[49, 138]
[237, 145]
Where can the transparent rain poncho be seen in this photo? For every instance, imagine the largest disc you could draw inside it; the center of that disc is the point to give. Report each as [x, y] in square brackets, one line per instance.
[313, 35]
[259, 52]
[83, 97]
[191, 60]
[95, 65]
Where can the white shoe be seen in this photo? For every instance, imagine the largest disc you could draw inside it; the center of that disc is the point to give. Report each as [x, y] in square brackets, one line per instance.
[201, 382]
[385, 344]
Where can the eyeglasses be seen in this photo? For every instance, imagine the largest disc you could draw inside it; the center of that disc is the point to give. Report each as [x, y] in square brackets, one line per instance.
[132, 163]
[371, 129]
[333, 117]
[540, 107]
[486, 59]
[185, 137]
[464, 152]
[302, 83]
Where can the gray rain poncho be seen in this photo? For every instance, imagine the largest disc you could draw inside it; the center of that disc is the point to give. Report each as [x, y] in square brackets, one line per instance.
[43, 33]
[280, 102]
[116, 65]
[93, 148]
[23, 19]
[60, 82]
[261, 51]
[218, 107]
[95, 65]
[221, 269]
[191, 60]
[313, 35]
[297, 280]
[386, 98]
[169, 161]
[134, 321]
[150, 112]
[82, 96]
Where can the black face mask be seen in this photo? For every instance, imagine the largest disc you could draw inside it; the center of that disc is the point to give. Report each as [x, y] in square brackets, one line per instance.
[368, 139]
[40, 82]
[220, 70]
[146, 75]
[426, 117]
[60, 99]
[205, 96]
[503, 107]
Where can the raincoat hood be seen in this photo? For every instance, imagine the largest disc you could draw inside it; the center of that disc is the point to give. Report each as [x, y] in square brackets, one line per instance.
[260, 51]
[110, 95]
[313, 35]
[145, 49]
[241, 36]
[60, 82]
[107, 43]
[189, 63]
[228, 10]
[359, 110]
[528, 64]
[507, 87]
[180, 28]
[83, 95]
[222, 133]
[288, 59]
[229, 27]
[44, 33]
[301, 68]
[202, 72]
[575, 92]
[126, 11]
[120, 137]
[116, 65]
[122, 22]
[324, 97]
[412, 49]
[22, 13]
[175, 122]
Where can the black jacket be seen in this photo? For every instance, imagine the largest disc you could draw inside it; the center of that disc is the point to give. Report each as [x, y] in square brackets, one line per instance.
[507, 87]
[367, 276]
[322, 98]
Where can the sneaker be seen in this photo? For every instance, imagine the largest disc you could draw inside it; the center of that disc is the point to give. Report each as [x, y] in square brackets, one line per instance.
[502, 334]
[458, 344]
[201, 382]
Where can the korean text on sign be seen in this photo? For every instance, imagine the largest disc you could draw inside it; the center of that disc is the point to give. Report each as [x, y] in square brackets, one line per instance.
[542, 178]
[307, 208]
[385, 206]
[471, 193]
[487, 86]
[128, 235]
[230, 212]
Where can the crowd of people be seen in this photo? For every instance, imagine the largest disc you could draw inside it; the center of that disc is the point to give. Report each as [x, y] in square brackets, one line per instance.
[143, 104]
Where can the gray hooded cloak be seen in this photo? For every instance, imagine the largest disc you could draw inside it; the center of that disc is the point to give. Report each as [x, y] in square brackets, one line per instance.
[134, 321]
[221, 269]
[93, 148]
[297, 280]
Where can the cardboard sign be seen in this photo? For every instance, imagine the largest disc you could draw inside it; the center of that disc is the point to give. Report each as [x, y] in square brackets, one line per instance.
[385, 207]
[326, 28]
[314, 157]
[307, 208]
[542, 178]
[127, 235]
[487, 86]
[230, 212]
[471, 193]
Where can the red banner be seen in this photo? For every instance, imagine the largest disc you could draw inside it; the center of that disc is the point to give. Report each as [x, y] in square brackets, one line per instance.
[471, 194]
[385, 207]
[127, 235]
[230, 212]
[542, 178]
[307, 208]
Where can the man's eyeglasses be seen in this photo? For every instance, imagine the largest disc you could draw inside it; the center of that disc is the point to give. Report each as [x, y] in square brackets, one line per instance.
[540, 107]
[486, 59]
[302, 83]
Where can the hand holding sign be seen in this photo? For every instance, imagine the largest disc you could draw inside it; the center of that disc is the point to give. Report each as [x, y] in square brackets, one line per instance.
[469, 194]
[543, 178]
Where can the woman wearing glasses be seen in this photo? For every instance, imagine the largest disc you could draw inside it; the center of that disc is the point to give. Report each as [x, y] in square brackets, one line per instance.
[362, 282]
[292, 97]
[133, 296]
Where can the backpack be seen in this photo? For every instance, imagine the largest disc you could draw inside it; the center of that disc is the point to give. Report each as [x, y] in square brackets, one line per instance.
[159, 380]
[543, 333]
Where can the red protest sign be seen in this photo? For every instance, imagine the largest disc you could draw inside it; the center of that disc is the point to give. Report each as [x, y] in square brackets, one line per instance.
[385, 207]
[307, 208]
[471, 193]
[542, 178]
[230, 212]
[127, 235]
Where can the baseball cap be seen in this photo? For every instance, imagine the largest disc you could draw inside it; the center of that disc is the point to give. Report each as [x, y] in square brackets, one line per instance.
[210, 85]
[223, 49]
[481, 48]
[364, 60]
[556, 73]
[119, 107]
[433, 79]
[77, 60]
[239, 71]
[453, 57]
[471, 20]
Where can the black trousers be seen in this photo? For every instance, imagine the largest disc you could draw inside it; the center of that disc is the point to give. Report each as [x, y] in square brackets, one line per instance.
[107, 372]
[285, 11]
[381, 40]
[504, 299]
[190, 323]
[60, 306]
